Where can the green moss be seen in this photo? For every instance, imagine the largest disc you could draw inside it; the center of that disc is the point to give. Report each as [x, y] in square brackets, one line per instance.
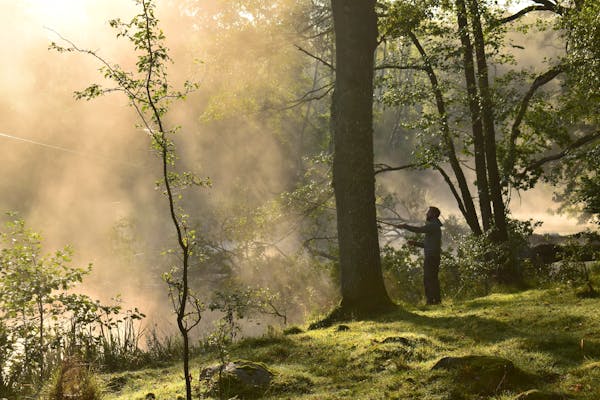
[485, 374]
[390, 357]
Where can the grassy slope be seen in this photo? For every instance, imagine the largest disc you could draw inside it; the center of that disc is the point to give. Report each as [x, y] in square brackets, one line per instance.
[541, 331]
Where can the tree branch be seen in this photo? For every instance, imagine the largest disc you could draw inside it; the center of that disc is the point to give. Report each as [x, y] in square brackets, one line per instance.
[401, 67]
[315, 57]
[582, 141]
[307, 97]
[554, 6]
[519, 14]
[461, 206]
[316, 252]
[539, 81]
[516, 127]
[379, 168]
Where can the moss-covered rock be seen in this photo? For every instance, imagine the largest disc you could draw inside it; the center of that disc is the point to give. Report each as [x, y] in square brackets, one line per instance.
[485, 375]
[244, 379]
[294, 330]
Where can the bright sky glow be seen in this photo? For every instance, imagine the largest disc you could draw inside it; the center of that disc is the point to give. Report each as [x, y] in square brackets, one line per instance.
[59, 12]
[246, 15]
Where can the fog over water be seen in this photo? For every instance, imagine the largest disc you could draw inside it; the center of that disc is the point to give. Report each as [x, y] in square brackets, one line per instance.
[76, 170]
[82, 173]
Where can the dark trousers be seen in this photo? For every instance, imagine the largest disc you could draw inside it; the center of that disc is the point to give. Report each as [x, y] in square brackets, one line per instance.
[430, 278]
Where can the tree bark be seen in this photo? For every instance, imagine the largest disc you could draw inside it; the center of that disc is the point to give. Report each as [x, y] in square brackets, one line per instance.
[469, 212]
[476, 123]
[500, 226]
[362, 287]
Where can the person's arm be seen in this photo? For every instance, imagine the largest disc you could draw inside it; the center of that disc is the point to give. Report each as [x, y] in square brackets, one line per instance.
[416, 229]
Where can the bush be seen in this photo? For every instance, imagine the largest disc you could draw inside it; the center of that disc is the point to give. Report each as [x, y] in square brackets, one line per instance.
[573, 270]
[403, 271]
[470, 266]
[73, 380]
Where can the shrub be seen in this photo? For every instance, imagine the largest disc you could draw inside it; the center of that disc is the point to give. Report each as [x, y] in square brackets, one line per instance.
[73, 380]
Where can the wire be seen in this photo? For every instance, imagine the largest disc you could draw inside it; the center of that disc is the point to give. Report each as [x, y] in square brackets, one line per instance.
[64, 149]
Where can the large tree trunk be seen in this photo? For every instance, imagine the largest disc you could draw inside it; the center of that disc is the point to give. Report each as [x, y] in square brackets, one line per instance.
[476, 124]
[362, 284]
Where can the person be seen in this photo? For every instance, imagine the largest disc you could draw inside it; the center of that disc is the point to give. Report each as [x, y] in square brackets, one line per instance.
[432, 249]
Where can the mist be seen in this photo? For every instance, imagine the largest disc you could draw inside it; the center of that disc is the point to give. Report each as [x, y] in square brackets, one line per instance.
[83, 173]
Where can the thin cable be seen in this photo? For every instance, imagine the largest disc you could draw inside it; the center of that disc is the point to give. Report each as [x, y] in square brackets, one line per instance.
[64, 149]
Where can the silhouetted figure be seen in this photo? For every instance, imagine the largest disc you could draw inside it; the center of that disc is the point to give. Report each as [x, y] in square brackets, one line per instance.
[432, 248]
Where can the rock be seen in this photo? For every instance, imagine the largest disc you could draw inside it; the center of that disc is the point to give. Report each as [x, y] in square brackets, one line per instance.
[485, 375]
[398, 339]
[245, 379]
[294, 330]
[540, 395]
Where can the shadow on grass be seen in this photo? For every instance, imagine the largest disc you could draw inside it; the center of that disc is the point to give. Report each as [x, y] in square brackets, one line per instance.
[547, 333]
[549, 337]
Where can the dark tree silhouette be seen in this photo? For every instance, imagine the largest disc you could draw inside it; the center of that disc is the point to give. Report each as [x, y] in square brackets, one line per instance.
[363, 290]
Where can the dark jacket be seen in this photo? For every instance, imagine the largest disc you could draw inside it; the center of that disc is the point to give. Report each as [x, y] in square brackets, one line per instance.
[432, 244]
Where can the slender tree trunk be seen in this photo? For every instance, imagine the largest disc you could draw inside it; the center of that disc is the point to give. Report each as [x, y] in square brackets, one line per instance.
[183, 243]
[487, 113]
[476, 123]
[183, 329]
[362, 284]
[500, 227]
[508, 270]
[468, 208]
[40, 306]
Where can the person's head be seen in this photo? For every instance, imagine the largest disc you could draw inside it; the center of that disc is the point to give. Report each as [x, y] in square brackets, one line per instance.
[433, 213]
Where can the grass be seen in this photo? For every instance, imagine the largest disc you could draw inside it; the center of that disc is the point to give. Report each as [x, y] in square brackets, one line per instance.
[551, 335]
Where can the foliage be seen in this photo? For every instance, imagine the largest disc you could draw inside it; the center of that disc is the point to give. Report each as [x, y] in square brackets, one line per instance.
[581, 195]
[32, 287]
[234, 305]
[284, 248]
[403, 271]
[476, 261]
[573, 270]
[105, 335]
[543, 114]
[582, 32]
[468, 266]
[73, 379]
[43, 319]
